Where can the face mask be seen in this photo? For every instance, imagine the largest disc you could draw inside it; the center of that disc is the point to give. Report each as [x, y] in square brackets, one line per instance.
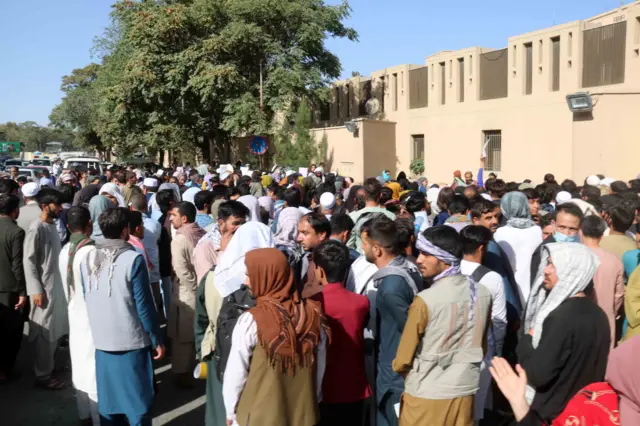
[561, 238]
[386, 176]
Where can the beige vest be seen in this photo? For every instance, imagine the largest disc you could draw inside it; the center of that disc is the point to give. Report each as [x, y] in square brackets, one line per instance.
[447, 360]
[212, 303]
[271, 398]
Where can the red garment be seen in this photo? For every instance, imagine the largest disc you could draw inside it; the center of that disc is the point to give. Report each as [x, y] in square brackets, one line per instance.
[345, 379]
[136, 242]
[594, 405]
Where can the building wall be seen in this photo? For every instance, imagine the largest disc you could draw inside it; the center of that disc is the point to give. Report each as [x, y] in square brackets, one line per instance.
[539, 132]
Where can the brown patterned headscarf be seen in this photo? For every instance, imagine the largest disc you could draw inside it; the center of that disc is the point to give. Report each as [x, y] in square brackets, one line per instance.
[288, 326]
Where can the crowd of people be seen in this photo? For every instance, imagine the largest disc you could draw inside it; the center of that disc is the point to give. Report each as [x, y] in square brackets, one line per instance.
[309, 300]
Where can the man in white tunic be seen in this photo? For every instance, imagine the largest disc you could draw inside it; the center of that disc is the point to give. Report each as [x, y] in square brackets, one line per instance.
[48, 317]
[83, 359]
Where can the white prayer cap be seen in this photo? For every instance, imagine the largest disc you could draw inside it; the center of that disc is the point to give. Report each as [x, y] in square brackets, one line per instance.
[486, 196]
[289, 173]
[607, 181]
[30, 189]
[593, 180]
[150, 182]
[327, 200]
[563, 197]
[160, 173]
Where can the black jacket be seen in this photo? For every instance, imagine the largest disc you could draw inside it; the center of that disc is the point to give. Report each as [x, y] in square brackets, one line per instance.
[11, 248]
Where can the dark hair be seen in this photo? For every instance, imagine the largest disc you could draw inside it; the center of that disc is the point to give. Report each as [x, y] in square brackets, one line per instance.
[187, 209]
[593, 227]
[7, 186]
[68, 191]
[545, 220]
[480, 207]
[458, 205]
[531, 193]
[220, 192]
[135, 220]
[49, 196]
[372, 189]
[274, 187]
[635, 185]
[164, 199]
[78, 218]
[386, 194]
[548, 178]
[568, 185]
[444, 198]
[319, 223]
[619, 187]
[446, 238]
[406, 229]
[498, 188]
[621, 217]
[383, 231]
[232, 208]
[415, 202]
[341, 222]
[139, 203]
[511, 187]
[333, 258]
[474, 236]
[121, 177]
[193, 172]
[22, 179]
[202, 198]
[292, 197]
[591, 193]
[9, 203]
[569, 208]
[113, 221]
[547, 193]
[459, 190]
[243, 189]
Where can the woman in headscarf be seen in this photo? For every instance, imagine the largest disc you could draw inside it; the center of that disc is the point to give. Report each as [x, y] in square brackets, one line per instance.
[251, 203]
[445, 195]
[351, 203]
[624, 376]
[278, 350]
[395, 189]
[229, 274]
[97, 206]
[519, 239]
[113, 193]
[287, 229]
[190, 194]
[567, 338]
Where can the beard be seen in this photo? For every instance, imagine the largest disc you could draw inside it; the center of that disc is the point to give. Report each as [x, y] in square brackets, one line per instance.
[369, 257]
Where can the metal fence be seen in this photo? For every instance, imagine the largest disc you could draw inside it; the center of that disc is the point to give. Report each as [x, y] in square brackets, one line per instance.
[604, 55]
[493, 162]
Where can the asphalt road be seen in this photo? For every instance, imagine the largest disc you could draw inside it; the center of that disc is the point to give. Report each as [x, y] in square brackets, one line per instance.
[23, 405]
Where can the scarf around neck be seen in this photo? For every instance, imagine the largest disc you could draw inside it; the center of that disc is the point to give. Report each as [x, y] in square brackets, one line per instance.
[76, 242]
[192, 232]
[289, 327]
[105, 255]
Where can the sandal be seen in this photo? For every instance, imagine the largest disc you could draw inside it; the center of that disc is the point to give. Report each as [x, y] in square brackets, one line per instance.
[50, 384]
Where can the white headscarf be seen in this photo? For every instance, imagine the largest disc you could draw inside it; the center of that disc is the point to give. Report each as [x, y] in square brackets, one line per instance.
[287, 230]
[175, 188]
[231, 270]
[251, 203]
[575, 265]
[113, 190]
[190, 194]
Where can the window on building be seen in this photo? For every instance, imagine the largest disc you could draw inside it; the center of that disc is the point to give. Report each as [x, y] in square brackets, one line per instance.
[394, 88]
[418, 147]
[382, 92]
[325, 111]
[365, 95]
[443, 84]
[338, 93]
[461, 79]
[348, 101]
[604, 55]
[528, 68]
[570, 45]
[514, 60]
[493, 162]
[555, 64]
[418, 88]
[493, 74]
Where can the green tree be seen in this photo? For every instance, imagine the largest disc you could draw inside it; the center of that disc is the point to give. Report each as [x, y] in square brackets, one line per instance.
[300, 148]
[186, 72]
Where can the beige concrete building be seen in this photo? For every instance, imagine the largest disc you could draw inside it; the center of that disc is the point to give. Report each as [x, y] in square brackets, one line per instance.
[444, 110]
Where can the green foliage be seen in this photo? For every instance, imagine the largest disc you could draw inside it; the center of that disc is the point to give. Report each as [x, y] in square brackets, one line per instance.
[417, 166]
[34, 136]
[300, 148]
[175, 74]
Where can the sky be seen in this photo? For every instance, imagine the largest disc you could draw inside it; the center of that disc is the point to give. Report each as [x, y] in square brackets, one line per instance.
[43, 40]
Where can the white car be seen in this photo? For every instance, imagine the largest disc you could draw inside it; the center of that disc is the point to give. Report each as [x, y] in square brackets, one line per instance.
[44, 162]
[83, 162]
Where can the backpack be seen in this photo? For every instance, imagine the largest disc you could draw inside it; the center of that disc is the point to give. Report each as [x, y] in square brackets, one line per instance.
[355, 232]
[479, 273]
[232, 307]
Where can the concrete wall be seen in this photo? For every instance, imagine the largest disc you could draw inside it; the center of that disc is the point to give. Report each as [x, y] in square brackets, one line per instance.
[539, 133]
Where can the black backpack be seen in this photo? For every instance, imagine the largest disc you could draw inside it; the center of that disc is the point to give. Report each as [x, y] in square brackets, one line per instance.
[233, 306]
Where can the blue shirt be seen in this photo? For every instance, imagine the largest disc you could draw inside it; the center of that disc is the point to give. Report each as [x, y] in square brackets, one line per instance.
[630, 261]
[203, 220]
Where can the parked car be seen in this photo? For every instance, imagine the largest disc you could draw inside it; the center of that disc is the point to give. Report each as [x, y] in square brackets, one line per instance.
[83, 163]
[32, 174]
[12, 163]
